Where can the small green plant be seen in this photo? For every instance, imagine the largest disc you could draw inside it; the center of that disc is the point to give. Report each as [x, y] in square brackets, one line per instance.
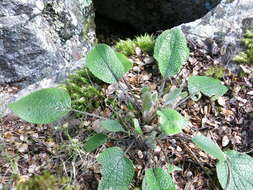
[234, 169]
[145, 42]
[45, 181]
[171, 52]
[247, 56]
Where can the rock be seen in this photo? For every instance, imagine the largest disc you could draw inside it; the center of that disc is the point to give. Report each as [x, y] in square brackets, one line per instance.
[221, 29]
[42, 41]
[153, 15]
[148, 60]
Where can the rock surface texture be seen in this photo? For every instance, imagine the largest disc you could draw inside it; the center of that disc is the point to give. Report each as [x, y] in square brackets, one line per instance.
[220, 31]
[41, 41]
[153, 15]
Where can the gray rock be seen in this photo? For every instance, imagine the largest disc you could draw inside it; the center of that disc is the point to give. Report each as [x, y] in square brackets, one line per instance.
[42, 41]
[220, 31]
[153, 15]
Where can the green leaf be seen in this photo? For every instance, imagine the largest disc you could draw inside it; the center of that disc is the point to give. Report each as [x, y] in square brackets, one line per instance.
[117, 170]
[171, 51]
[94, 142]
[149, 98]
[173, 97]
[207, 85]
[150, 140]
[125, 61]
[112, 125]
[147, 102]
[236, 172]
[106, 64]
[172, 168]
[43, 106]
[209, 147]
[157, 179]
[137, 127]
[171, 122]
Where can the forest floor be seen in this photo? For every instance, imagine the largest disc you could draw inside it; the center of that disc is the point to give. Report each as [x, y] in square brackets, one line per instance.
[27, 149]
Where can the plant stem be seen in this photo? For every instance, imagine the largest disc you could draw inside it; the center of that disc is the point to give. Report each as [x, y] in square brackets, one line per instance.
[162, 87]
[128, 148]
[89, 114]
[135, 102]
[182, 101]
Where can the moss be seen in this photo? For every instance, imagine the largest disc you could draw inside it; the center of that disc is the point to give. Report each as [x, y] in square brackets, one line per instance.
[145, 42]
[251, 115]
[84, 90]
[127, 47]
[247, 56]
[43, 182]
[216, 71]
[242, 74]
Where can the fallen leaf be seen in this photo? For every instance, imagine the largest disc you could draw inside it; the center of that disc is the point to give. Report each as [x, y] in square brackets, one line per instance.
[250, 93]
[225, 141]
[22, 147]
[222, 101]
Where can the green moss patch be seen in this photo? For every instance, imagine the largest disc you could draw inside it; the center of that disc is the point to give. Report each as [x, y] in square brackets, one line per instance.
[246, 56]
[44, 181]
[85, 91]
[216, 71]
[127, 47]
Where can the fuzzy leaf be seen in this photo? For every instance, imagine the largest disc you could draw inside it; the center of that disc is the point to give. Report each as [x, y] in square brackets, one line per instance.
[43, 106]
[146, 100]
[157, 179]
[150, 140]
[171, 122]
[171, 51]
[236, 172]
[117, 170]
[94, 142]
[112, 125]
[106, 64]
[172, 168]
[207, 85]
[209, 147]
[173, 97]
[125, 61]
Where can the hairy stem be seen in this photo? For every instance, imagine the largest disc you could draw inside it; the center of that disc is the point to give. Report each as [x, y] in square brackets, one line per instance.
[89, 114]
